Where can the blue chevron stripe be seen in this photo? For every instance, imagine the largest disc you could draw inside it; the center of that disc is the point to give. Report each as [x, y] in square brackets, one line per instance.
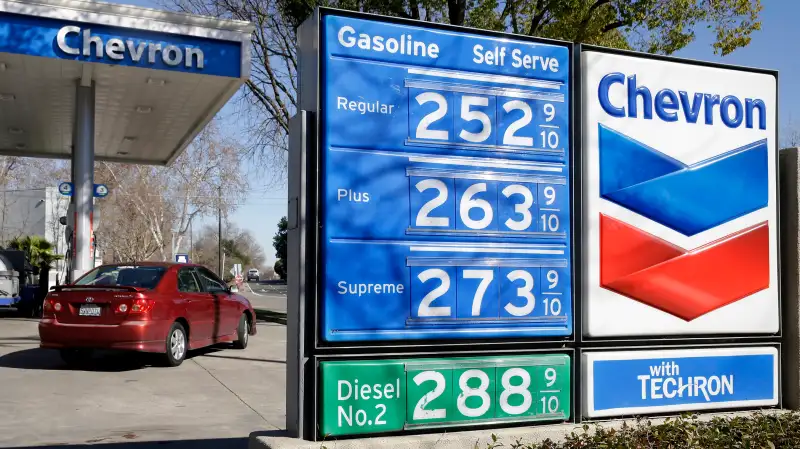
[689, 199]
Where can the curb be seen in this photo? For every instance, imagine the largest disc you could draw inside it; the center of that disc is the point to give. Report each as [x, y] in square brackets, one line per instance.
[473, 439]
[271, 316]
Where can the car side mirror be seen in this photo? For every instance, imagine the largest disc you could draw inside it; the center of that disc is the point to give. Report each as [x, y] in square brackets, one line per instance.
[233, 289]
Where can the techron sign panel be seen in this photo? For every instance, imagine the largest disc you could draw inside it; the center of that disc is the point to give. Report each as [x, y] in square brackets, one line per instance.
[680, 212]
[446, 210]
[118, 46]
[625, 383]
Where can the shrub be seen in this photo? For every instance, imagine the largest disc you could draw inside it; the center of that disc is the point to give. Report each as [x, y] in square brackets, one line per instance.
[756, 431]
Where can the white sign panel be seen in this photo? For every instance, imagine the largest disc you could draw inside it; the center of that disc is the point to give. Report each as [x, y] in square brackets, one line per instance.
[623, 383]
[680, 211]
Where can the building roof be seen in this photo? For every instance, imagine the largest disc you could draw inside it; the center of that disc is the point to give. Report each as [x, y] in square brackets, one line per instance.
[160, 76]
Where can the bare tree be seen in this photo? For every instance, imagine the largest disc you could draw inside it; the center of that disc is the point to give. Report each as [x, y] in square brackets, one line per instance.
[790, 135]
[151, 209]
[270, 97]
[205, 179]
[247, 250]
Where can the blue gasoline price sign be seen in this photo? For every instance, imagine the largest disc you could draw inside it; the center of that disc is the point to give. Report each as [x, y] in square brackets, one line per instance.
[390, 395]
[446, 203]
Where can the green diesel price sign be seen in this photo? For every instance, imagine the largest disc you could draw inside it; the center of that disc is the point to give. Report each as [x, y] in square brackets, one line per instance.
[390, 395]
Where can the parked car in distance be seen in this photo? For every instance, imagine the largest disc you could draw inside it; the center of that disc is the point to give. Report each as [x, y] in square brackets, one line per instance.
[252, 275]
[163, 308]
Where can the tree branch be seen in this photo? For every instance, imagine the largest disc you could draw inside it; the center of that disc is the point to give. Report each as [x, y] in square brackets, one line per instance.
[581, 34]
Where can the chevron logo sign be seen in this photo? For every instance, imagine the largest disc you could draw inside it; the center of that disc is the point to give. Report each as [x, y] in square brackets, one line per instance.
[689, 199]
[679, 205]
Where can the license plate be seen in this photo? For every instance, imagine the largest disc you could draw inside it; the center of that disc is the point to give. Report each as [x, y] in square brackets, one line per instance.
[89, 310]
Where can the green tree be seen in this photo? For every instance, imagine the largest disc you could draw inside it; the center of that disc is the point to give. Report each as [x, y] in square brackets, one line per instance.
[279, 241]
[231, 249]
[280, 269]
[41, 255]
[39, 252]
[654, 26]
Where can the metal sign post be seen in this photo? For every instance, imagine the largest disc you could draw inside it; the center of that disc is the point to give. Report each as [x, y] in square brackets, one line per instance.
[434, 205]
[429, 213]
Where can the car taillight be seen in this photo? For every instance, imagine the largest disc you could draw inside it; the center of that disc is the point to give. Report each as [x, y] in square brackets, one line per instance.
[142, 305]
[121, 308]
[49, 306]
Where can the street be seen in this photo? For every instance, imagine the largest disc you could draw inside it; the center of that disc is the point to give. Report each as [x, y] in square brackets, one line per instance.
[216, 398]
[266, 296]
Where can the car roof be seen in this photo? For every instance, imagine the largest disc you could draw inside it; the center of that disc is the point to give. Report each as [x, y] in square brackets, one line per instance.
[153, 264]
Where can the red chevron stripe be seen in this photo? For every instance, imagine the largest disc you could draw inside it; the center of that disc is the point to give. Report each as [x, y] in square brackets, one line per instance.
[684, 284]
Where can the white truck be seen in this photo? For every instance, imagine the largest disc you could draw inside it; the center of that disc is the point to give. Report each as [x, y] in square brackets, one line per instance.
[252, 275]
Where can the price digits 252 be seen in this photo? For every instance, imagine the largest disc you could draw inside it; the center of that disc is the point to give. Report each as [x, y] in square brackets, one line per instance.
[519, 122]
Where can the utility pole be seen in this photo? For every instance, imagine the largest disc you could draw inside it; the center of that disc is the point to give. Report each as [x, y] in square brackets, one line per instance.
[219, 230]
[191, 241]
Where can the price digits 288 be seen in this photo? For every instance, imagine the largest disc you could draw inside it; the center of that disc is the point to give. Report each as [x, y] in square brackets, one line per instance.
[483, 393]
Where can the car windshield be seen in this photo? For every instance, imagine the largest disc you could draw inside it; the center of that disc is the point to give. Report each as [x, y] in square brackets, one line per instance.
[144, 276]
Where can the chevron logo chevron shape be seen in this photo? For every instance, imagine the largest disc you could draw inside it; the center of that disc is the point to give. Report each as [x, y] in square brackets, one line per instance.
[685, 284]
[689, 199]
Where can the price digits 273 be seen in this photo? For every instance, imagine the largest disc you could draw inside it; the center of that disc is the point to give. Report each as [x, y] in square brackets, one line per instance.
[450, 292]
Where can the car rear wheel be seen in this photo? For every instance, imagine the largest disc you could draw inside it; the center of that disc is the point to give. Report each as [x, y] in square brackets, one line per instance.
[176, 345]
[76, 357]
[242, 333]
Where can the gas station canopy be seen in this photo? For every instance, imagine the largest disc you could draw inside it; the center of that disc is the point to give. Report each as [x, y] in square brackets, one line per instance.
[158, 77]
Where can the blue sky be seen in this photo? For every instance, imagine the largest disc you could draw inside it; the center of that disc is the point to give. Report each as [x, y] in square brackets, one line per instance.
[773, 48]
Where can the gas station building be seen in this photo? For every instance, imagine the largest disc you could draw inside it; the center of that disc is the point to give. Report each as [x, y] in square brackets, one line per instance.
[94, 81]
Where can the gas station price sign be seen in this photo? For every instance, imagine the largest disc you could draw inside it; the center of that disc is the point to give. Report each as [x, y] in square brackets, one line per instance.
[445, 195]
[379, 396]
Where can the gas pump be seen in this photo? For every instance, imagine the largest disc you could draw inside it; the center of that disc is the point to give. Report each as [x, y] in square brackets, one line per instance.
[68, 222]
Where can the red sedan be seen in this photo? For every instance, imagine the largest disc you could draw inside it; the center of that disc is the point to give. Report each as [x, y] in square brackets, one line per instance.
[148, 307]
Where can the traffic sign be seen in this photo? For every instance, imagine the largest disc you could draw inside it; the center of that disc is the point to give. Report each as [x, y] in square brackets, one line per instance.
[100, 190]
[626, 383]
[182, 258]
[390, 395]
[680, 198]
[447, 210]
[65, 188]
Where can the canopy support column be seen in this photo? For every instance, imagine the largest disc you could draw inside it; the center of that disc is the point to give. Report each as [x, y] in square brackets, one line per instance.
[83, 179]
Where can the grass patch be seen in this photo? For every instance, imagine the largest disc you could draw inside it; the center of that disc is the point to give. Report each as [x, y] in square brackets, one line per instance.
[756, 431]
[271, 316]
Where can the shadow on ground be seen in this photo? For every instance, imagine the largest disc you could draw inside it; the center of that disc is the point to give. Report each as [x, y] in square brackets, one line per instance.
[104, 361]
[14, 315]
[219, 443]
[271, 316]
[48, 359]
[216, 443]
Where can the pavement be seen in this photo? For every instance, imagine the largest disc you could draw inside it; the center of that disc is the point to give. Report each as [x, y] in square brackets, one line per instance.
[266, 296]
[215, 399]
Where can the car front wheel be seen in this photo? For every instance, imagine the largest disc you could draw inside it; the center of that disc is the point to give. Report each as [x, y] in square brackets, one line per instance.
[176, 345]
[242, 333]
